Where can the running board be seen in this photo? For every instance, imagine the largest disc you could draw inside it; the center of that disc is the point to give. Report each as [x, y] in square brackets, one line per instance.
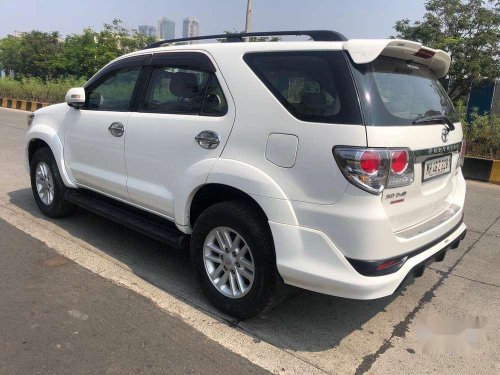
[130, 217]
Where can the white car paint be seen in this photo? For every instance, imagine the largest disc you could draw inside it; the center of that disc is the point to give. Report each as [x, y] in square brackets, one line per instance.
[364, 51]
[318, 219]
[94, 157]
[165, 143]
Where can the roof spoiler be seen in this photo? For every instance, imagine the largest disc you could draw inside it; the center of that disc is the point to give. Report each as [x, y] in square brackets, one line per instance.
[363, 51]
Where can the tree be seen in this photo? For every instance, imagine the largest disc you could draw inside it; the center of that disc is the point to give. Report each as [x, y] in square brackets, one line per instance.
[84, 54]
[469, 30]
[31, 54]
[47, 56]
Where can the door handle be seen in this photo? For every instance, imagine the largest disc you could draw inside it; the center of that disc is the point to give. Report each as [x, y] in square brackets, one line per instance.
[208, 139]
[116, 129]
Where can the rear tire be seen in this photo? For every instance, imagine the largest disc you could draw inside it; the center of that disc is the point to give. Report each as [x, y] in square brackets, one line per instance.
[244, 293]
[47, 185]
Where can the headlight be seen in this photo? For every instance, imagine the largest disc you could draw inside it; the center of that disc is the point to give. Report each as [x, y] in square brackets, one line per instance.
[30, 118]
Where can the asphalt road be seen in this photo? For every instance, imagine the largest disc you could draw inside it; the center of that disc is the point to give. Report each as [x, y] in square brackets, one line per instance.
[59, 318]
[143, 307]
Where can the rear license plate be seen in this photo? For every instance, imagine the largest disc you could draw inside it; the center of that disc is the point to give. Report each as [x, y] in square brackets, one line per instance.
[436, 167]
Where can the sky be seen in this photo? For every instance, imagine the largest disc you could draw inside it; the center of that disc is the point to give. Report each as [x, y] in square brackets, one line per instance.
[353, 18]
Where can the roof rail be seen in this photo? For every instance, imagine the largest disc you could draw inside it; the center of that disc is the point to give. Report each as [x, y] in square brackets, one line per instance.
[316, 35]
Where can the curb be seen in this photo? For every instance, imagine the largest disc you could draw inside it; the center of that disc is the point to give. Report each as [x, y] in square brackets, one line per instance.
[23, 105]
[479, 169]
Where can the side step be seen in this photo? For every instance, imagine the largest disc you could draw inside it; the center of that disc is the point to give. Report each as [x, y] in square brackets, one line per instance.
[159, 229]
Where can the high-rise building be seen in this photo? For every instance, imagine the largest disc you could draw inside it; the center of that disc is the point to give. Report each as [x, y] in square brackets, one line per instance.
[190, 28]
[166, 29]
[147, 30]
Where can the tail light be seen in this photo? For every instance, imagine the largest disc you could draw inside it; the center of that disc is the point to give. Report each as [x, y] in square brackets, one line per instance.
[374, 169]
[463, 151]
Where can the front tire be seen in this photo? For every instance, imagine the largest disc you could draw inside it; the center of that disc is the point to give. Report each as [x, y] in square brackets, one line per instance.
[47, 185]
[233, 253]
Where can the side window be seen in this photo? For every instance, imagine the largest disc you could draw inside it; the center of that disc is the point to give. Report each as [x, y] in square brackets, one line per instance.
[114, 91]
[215, 102]
[185, 91]
[312, 86]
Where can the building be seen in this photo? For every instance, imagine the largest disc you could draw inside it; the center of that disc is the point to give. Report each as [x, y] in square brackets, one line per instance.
[165, 29]
[190, 28]
[484, 97]
[147, 30]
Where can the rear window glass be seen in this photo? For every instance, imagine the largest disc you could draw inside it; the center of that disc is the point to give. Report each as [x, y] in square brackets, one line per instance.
[313, 86]
[398, 92]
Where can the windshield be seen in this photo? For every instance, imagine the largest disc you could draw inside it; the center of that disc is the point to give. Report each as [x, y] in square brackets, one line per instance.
[398, 92]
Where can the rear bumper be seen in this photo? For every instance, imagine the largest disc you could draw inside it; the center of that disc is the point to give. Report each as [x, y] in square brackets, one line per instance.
[308, 259]
[391, 265]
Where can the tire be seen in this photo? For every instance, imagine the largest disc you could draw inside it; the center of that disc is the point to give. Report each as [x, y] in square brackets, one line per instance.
[56, 207]
[238, 218]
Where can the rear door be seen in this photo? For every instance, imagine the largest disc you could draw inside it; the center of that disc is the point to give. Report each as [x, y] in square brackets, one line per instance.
[404, 104]
[185, 104]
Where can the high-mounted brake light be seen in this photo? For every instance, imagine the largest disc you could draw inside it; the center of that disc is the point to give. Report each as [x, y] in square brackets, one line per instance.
[374, 169]
[424, 53]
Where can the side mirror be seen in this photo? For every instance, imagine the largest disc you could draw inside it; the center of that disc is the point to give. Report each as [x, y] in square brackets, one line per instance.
[75, 97]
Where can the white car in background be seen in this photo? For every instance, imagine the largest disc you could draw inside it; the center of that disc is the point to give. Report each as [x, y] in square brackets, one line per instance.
[331, 165]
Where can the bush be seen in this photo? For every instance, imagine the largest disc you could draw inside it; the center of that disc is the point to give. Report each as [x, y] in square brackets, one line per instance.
[482, 133]
[34, 89]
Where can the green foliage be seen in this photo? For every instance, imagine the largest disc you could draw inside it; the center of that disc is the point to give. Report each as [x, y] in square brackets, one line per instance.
[31, 54]
[47, 56]
[36, 90]
[469, 30]
[482, 132]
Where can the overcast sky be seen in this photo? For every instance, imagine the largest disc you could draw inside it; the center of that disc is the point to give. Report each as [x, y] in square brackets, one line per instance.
[353, 18]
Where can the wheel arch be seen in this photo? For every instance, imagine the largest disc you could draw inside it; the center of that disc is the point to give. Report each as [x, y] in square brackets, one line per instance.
[231, 179]
[41, 135]
[210, 194]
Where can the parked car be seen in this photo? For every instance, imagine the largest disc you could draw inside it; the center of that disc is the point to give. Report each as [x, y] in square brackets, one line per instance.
[331, 165]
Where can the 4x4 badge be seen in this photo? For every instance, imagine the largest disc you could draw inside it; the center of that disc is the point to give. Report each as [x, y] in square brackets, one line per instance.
[444, 134]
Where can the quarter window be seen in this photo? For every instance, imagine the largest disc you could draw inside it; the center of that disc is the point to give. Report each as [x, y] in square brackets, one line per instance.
[184, 91]
[114, 91]
[313, 86]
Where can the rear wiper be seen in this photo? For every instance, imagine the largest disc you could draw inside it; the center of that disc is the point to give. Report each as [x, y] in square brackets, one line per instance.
[436, 118]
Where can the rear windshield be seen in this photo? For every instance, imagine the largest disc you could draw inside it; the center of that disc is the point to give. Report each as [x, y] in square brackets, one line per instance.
[314, 86]
[398, 92]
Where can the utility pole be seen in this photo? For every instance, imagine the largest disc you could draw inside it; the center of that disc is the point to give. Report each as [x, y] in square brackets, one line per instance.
[248, 18]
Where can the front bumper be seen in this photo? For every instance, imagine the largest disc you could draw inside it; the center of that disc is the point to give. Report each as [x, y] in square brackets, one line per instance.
[308, 259]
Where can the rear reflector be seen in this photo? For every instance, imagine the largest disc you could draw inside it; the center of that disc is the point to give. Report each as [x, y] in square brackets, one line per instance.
[424, 53]
[387, 264]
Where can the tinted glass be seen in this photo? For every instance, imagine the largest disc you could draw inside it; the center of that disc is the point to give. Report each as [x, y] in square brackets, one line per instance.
[184, 91]
[114, 92]
[215, 103]
[313, 86]
[397, 92]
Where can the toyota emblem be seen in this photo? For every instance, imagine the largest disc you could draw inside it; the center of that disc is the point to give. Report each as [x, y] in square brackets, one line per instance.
[444, 134]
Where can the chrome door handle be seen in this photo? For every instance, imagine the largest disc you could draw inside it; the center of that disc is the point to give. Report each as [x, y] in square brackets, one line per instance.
[208, 139]
[116, 129]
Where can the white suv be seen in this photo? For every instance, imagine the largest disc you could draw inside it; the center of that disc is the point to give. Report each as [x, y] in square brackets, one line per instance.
[332, 165]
